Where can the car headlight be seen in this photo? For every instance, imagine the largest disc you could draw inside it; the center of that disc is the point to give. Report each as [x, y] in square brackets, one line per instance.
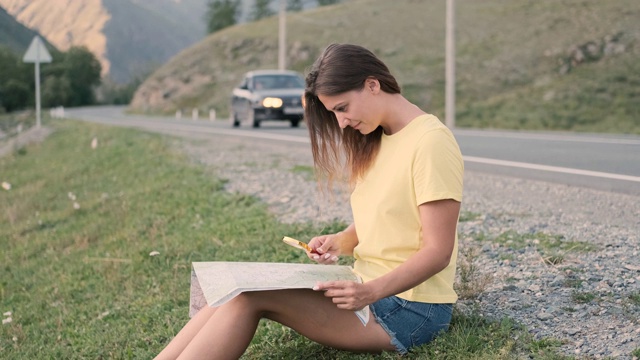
[272, 102]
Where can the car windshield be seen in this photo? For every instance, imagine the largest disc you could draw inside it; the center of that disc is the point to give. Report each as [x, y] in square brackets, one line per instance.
[267, 82]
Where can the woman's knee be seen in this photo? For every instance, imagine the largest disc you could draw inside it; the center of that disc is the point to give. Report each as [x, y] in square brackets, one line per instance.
[206, 312]
[246, 302]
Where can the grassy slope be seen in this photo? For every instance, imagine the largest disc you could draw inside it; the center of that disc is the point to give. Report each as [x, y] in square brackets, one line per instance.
[507, 65]
[80, 282]
[521, 86]
[64, 269]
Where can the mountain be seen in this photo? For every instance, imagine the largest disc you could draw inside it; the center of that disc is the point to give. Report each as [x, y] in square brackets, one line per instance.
[544, 64]
[144, 34]
[13, 34]
[127, 36]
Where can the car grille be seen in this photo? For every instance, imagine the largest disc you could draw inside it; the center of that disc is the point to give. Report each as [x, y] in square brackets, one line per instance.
[292, 101]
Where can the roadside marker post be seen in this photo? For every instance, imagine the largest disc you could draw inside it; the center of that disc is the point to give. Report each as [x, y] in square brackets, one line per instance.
[37, 53]
[57, 112]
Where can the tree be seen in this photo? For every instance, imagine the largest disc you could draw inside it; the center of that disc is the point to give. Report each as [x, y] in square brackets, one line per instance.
[82, 70]
[327, 2]
[110, 92]
[221, 14]
[56, 91]
[261, 9]
[15, 94]
[294, 5]
[68, 81]
[15, 81]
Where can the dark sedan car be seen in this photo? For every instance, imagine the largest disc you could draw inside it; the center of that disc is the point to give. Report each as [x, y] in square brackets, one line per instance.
[268, 95]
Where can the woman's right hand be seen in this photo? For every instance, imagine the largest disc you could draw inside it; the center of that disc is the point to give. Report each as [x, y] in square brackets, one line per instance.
[326, 249]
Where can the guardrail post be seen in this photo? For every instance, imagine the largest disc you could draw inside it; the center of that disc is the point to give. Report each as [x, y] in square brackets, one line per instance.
[57, 112]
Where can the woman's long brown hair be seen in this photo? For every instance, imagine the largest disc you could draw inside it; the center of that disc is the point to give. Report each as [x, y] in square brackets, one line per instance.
[342, 68]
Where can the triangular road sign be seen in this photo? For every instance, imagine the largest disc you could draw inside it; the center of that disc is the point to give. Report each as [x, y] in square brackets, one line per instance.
[37, 52]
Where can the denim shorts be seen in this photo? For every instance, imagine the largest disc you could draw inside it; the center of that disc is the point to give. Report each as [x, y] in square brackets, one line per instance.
[411, 323]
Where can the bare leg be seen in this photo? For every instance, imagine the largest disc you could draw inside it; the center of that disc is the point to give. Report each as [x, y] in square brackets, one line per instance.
[229, 330]
[180, 341]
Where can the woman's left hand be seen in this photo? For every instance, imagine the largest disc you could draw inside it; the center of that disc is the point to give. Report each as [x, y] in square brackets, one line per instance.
[347, 295]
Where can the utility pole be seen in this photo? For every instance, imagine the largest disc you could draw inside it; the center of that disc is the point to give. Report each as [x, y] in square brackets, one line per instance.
[450, 68]
[282, 45]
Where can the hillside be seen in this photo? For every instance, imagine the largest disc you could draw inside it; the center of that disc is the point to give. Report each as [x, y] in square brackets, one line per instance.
[521, 64]
[127, 36]
[13, 34]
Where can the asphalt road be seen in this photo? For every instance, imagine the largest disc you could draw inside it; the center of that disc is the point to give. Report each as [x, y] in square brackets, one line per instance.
[600, 161]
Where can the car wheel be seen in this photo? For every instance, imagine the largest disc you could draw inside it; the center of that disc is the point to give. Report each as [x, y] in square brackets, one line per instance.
[251, 118]
[234, 119]
[295, 123]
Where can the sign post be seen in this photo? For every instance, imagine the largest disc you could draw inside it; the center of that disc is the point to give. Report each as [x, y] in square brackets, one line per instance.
[37, 53]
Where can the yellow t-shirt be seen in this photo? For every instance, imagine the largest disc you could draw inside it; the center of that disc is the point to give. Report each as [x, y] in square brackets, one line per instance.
[420, 163]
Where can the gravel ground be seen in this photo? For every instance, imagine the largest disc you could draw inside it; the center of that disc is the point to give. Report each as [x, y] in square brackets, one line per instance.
[542, 275]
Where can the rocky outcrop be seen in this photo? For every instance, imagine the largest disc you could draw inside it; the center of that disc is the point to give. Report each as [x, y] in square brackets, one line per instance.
[591, 51]
[65, 23]
[128, 37]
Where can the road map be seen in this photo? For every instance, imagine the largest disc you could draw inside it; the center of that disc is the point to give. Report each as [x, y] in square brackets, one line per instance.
[214, 283]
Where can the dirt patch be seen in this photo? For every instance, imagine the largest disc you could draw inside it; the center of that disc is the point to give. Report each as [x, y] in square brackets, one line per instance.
[33, 135]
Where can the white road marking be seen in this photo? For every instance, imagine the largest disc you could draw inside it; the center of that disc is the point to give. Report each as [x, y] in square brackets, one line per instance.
[261, 135]
[556, 169]
[552, 137]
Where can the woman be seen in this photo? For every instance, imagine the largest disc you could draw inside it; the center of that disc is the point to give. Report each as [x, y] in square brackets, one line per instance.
[406, 169]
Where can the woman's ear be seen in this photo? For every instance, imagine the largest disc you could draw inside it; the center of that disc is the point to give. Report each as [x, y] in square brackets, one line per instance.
[372, 84]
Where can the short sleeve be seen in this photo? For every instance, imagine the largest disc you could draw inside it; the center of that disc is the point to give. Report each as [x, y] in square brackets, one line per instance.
[437, 167]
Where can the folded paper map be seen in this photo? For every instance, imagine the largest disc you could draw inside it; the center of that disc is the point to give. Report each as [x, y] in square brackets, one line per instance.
[215, 283]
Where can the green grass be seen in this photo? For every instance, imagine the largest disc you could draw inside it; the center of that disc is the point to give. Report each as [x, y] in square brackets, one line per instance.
[468, 216]
[552, 248]
[543, 241]
[573, 283]
[80, 283]
[472, 282]
[305, 171]
[582, 297]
